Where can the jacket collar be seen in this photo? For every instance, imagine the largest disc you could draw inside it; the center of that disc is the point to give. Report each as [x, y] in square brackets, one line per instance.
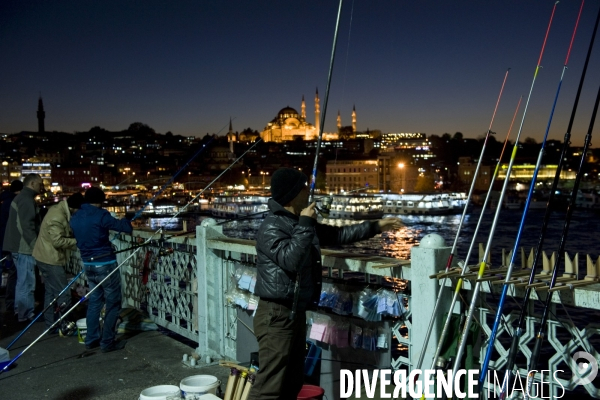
[65, 209]
[29, 192]
[278, 209]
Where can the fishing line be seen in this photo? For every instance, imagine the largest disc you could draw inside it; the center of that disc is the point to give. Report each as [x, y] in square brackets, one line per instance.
[460, 224]
[519, 330]
[204, 147]
[482, 268]
[313, 180]
[158, 232]
[488, 355]
[137, 214]
[539, 337]
[465, 263]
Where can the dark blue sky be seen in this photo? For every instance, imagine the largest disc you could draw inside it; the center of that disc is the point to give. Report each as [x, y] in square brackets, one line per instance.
[187, 66]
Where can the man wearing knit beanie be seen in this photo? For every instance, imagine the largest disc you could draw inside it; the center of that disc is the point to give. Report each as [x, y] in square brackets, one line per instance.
[91, 226]
[288, 254]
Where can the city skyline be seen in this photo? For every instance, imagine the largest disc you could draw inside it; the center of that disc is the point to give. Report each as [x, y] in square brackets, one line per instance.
[187, 67]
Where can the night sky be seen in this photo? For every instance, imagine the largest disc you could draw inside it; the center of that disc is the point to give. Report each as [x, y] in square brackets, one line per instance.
[188, 66]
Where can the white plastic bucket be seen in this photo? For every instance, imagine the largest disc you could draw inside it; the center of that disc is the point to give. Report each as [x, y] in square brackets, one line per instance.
[81, 330]
[161, 392]
[196, 385]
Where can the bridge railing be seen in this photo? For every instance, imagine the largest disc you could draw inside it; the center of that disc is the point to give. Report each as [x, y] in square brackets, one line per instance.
[184, 291]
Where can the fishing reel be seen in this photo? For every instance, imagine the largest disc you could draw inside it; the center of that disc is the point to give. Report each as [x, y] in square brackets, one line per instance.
[67, 328]
[165, 251]
[325, 206]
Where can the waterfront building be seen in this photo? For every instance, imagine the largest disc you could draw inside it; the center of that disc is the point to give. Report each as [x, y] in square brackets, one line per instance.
[9, 171]
[43, 169]
[413, 145]
[74, 177]
[466, 173]
[524, 172]
[347, 175]
[396, 174]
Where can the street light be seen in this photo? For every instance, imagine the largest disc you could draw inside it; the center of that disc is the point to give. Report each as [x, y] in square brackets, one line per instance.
[263, 178]
[401, 166]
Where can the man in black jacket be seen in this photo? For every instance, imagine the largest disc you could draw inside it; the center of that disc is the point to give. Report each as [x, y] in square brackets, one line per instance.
[288, 249]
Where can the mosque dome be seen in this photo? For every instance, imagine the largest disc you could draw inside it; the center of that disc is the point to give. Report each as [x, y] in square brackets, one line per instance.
[287, 112]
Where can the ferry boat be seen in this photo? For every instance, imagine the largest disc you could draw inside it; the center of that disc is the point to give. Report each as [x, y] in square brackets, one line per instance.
[356, 207]
[424, 204]
[239, 206]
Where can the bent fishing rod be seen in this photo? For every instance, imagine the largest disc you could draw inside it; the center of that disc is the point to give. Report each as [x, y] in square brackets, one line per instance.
[465, 332]
[539, 337]
[465, 262]
[460, 224]
[159, 231]
[515, 250]
[313, 179]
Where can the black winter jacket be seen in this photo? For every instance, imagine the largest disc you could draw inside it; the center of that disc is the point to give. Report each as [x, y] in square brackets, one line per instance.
[287, 244]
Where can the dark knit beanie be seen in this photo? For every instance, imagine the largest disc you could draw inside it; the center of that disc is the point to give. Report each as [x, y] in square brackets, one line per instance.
[16, 186]
[94, 195]
[286, 183]
[75, 201]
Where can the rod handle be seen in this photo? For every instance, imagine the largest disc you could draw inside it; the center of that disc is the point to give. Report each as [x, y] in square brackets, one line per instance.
[535, 353]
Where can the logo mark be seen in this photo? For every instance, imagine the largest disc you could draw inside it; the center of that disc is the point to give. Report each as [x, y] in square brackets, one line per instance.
[589, 368]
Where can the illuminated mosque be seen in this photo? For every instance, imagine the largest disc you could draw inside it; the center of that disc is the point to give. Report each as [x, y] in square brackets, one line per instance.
[288, 125]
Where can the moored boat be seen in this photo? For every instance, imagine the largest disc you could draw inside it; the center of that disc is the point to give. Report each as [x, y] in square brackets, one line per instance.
[424, 204]
[239, 206]
[356, 207]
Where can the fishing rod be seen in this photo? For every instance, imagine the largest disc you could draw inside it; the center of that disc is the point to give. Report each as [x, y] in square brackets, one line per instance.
[465, 263]
[159, 231]
[539, 337]
[460, 224]
[313, 179]
[107, 254]
[482, 267]
[161, 253]
[519, 330]
[515, 250]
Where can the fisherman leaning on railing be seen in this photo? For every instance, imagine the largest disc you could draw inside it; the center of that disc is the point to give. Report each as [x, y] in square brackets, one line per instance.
[288, 255]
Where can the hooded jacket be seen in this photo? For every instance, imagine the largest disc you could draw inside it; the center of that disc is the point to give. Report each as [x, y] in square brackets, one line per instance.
[55, 239]
[23, 223]
[287, 244]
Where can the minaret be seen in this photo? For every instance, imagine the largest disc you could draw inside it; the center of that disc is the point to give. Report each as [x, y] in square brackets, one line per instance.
[41, 115]
[353, 119]
[303, 109]
[231, 139]
[317, 113]
[339, 121]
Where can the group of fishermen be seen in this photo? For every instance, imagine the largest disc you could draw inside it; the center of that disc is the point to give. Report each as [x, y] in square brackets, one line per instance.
[28, 242]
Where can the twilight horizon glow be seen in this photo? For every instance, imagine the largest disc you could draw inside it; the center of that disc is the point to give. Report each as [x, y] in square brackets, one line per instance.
[187, 67]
